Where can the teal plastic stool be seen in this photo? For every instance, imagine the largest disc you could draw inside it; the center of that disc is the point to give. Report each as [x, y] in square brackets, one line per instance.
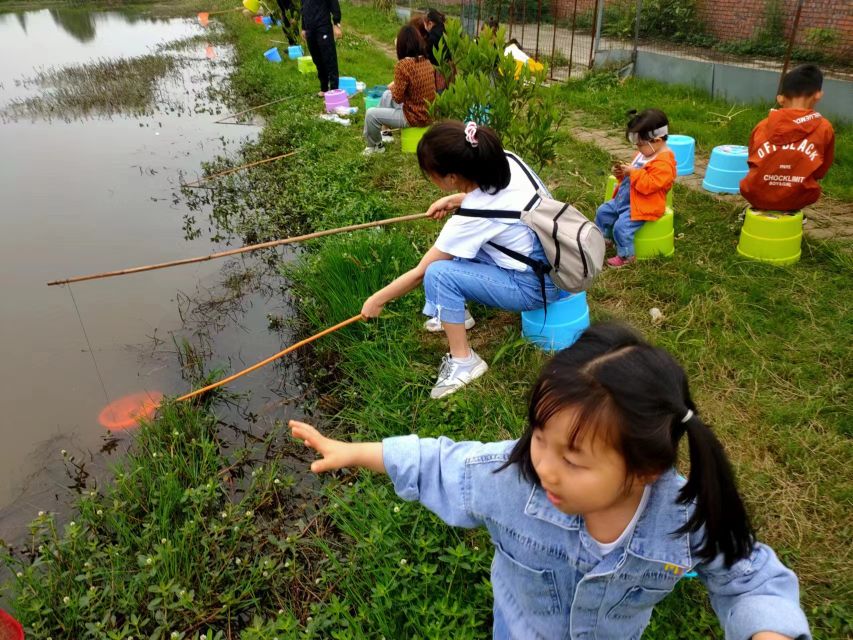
[726, 168]
[561, 326]
[656, 239]
[771, 236]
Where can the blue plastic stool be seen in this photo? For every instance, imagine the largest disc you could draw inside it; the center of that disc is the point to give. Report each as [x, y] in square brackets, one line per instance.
[272, 55]
[684, 148]
[294, 51]
[561, 327]
[726, 168]
[347, 83]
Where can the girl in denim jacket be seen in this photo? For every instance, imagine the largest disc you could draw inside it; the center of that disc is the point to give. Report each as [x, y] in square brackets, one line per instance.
[592, 526]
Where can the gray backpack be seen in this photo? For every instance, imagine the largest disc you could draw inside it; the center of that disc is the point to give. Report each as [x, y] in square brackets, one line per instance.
[573, 244]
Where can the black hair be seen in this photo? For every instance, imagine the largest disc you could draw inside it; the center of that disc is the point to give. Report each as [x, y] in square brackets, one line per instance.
[410, 44]
[805, 80]
[444, 149]
[645, 122]
[636, 396]
[436, 16]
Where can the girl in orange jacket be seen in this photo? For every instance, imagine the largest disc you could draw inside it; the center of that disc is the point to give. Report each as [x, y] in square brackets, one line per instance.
[642, 196]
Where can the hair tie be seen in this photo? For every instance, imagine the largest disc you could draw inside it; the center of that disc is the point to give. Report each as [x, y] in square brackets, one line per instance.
[687, 416]
[471, 133]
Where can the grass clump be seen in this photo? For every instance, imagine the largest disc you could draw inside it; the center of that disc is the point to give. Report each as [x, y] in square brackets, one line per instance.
[184, 540]
[105, 87]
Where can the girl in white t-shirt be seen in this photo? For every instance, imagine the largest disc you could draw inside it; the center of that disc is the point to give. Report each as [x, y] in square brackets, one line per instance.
[489, 260]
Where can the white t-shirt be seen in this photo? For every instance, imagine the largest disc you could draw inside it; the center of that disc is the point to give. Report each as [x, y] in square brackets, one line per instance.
[465, 237]
[607, 547]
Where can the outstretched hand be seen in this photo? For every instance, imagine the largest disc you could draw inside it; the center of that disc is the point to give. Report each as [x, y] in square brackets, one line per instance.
[334, 452]
[337, 454]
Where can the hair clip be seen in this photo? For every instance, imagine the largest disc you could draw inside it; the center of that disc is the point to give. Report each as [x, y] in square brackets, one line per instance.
[471, 133]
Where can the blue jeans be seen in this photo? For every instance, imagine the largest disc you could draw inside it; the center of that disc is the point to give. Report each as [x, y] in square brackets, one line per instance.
[614, 220]
[448, 284]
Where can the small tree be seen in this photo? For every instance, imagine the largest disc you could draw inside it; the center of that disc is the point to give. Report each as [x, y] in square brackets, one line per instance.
[488, 87]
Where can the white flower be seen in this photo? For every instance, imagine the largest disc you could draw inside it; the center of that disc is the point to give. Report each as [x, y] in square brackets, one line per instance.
[403, 561]
[99, 512]
[317, 581]
[203, 637]
[63, 453]
[287, 564]
[309, 619]
[276, 481]
[223, 515]
[176, 433]
[154, 455]
[87, 564]
[349, 484]
[149, 560]
[72, 524]
[238, 561]
[93, 588]
[93, 493]
[163, 541]
[281, 612]
[476, 548]
[175, 634]
[266, 574]
[397, 509]
[41, 514]
[249, 513]
[20, 574]
[66, 599]
[236, 528]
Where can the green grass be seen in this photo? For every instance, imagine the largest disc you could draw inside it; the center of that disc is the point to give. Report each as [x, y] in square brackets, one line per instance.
[765, 349]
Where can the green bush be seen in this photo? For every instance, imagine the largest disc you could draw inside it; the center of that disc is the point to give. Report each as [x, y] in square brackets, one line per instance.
[485, 89]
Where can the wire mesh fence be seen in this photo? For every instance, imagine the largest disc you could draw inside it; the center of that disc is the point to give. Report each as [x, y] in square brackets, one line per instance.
[571, 36]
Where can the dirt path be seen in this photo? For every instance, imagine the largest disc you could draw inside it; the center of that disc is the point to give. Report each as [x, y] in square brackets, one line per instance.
[828, 218]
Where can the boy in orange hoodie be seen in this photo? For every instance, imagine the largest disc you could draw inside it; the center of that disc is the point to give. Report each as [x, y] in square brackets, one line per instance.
[640, 196]
[791, 149]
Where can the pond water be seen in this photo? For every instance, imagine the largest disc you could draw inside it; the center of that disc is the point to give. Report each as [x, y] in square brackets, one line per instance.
[95, 193]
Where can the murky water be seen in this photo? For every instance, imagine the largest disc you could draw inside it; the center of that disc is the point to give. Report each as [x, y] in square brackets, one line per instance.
[87, 195]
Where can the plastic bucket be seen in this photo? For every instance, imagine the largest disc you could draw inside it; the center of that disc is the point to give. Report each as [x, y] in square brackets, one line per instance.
[259, 20]
[610, 188]
[267, 20]
[294, 51]
[272, 55]
[252, 5]
[657, 238]
[334, 99]
[726, 168]
[771, 236]
[305, 64]
[10, 629]
[409, 138]
[348, 84]
[370, 102]
[561, 326]
[684, 148]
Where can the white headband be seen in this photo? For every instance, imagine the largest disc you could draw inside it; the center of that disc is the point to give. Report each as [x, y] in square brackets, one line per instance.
[655, 133]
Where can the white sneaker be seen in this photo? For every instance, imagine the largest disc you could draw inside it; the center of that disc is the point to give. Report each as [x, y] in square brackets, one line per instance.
[369, 151]
[387, 137]
[453, 375]
[433, 325]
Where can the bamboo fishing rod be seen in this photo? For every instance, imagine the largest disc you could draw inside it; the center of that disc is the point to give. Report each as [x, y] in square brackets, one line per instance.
[265, 362]
[197, 183]
[232, 252]
[261, 106]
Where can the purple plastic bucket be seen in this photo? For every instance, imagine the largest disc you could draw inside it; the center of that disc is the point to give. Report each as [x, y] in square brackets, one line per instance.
[335, 98]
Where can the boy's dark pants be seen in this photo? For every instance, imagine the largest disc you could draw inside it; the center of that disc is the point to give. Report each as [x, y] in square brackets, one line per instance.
[288, 27]
[321, 46]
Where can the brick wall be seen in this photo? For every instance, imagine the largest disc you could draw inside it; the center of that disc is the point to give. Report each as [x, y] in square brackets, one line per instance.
[732, 20]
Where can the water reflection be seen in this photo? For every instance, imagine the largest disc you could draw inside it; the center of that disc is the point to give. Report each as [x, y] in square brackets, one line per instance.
[78, 24]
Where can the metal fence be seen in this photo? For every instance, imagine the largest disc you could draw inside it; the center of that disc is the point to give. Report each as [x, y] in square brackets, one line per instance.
[571, 36]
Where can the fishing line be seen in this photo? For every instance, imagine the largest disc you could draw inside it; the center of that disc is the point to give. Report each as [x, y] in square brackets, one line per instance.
[89, 344]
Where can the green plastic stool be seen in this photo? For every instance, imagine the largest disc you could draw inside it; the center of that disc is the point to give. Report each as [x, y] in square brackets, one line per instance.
[409, 138]
[771, 236]
[656, 239]
[610, 187]
[305, 64]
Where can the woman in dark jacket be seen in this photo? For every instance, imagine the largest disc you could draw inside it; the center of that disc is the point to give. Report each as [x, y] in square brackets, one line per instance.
[434, 24]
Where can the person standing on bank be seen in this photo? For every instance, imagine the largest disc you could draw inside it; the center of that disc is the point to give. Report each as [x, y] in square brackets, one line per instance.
[321, 26]
[288, 21]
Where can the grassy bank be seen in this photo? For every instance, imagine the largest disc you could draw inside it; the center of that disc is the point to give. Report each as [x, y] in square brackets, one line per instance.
[763, 347]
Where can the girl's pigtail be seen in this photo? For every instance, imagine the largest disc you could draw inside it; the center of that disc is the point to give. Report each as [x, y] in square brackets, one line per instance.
[711, 484]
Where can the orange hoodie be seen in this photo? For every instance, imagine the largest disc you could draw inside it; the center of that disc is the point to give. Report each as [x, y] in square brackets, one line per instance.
[789, 151]
[649, 186]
